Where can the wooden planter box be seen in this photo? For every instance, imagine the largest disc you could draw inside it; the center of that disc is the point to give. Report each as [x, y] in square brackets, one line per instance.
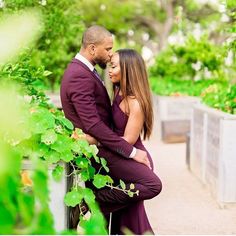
[198, 142]
[57, 193]
[214, 132]
[173, 117]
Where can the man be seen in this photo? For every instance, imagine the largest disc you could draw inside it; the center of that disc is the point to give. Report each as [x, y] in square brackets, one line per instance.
[86, 103]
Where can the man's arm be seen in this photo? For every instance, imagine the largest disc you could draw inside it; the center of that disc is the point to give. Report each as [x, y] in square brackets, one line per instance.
[81, 93]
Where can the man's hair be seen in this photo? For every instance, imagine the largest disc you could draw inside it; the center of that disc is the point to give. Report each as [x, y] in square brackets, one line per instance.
[94, 35]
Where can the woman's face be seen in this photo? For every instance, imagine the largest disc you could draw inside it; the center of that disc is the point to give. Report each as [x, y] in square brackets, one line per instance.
[114, 70]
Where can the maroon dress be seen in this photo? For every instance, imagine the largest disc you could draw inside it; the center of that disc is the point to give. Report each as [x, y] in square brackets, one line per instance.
[134, 216]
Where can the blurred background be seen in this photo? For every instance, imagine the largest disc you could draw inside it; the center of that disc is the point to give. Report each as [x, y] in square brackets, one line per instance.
[189, 48]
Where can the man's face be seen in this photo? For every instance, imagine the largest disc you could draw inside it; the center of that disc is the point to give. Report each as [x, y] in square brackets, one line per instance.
[103, 52]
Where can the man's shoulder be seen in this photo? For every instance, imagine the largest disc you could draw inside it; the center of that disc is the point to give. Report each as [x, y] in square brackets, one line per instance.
[77, 69]
[76, 65]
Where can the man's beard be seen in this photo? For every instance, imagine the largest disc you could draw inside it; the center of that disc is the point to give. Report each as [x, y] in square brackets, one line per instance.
[102, 64]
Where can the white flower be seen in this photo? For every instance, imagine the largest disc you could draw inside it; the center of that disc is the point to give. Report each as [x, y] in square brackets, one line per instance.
[43, 2]
[174, 59]
[196, 66]
[197, 77]
[103, 7]
[176, 39]
[197, 32]
[2, 3]
[130, 32]
[207, 73]
[224, 18]
[222, 8]
[145, 36]
[131, 43]
[147, 53]
[229, 58]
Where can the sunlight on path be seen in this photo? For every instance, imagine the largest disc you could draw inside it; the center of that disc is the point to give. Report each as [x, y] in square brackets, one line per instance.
[185, 206]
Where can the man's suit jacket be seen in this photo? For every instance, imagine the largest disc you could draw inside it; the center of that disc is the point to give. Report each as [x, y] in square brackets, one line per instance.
[86, 104]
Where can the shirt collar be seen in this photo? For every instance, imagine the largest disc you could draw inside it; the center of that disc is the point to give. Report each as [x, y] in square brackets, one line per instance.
[85, 61]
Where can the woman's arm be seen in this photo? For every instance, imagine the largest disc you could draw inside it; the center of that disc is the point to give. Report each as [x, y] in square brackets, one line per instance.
[135, 122]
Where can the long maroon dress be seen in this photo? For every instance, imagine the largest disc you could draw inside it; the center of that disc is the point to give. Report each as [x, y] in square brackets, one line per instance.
[134, 216]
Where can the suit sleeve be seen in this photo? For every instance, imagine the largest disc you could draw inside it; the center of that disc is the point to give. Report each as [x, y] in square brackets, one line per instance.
[83, 99]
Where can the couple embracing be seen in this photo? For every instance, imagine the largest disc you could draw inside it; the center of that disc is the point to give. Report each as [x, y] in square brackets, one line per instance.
[115, 129]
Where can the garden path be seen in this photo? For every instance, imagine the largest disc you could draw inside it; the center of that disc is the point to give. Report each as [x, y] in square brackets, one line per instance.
[185, 205]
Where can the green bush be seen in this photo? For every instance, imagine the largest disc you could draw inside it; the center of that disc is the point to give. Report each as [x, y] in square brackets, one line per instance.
[60, 39]
[195, 60]
[196, 69]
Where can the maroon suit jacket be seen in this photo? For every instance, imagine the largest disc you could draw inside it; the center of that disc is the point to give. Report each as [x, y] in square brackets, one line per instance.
[86, 104]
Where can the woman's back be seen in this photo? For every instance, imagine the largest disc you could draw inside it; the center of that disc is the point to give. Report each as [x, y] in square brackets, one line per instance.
[120, 120]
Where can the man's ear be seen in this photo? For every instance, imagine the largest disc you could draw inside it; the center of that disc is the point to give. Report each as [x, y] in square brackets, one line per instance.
[91, 49]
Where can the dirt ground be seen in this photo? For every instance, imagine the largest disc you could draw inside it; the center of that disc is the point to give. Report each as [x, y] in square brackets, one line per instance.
[185, 205]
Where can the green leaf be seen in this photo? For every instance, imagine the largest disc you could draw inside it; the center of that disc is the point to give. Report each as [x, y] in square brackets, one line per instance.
[40, 186]
[52, 157]
[57, 173]
[109, 179]
[89, 196]
[82, 162]
[73, 198]
[104, 164]
[67, 156]
[62, 144]
[99, 181]
[94, 149]
[122, 184]
[66, 123]
[76, 147]
[41, 120]
[49, 137]
[84, 175]
[94, 225]
[91, 171]
[131, 194]
[47, 73]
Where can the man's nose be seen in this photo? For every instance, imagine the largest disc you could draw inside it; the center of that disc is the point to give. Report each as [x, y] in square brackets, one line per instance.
[110, 54]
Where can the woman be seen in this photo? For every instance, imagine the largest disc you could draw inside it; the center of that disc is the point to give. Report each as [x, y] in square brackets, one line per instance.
[132, 115]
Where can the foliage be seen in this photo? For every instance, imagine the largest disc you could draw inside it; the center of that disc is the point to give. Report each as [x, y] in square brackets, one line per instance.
[146, 22]
[60, 39]
[195, 60]
[221, 97]
[22, 210]
[48, 139]
[124, 18]
[231, 6]
[175, 87]
[197, 68]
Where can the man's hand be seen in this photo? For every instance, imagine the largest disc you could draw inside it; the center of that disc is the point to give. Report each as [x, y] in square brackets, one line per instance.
[141, 157]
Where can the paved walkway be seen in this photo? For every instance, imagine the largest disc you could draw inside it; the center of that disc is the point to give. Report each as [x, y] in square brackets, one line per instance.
[185, 206]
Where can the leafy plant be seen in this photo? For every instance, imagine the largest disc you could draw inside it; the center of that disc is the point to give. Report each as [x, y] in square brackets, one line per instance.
[51, 139]
[60, 38]
[195, 60]
[221, 97]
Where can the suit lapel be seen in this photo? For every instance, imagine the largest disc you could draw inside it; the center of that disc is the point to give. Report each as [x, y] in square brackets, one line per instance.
[100, 84]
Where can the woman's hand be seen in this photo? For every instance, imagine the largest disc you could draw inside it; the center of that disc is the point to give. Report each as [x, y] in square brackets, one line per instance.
[91, 140]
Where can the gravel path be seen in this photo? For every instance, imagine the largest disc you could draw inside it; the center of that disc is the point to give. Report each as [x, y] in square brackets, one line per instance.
[185, 205]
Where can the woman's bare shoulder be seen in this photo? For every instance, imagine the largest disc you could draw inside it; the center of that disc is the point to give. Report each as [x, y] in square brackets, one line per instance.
[133, 103]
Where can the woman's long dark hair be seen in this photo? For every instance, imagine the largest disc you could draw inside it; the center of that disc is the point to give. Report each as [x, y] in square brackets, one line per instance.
[134, 82]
